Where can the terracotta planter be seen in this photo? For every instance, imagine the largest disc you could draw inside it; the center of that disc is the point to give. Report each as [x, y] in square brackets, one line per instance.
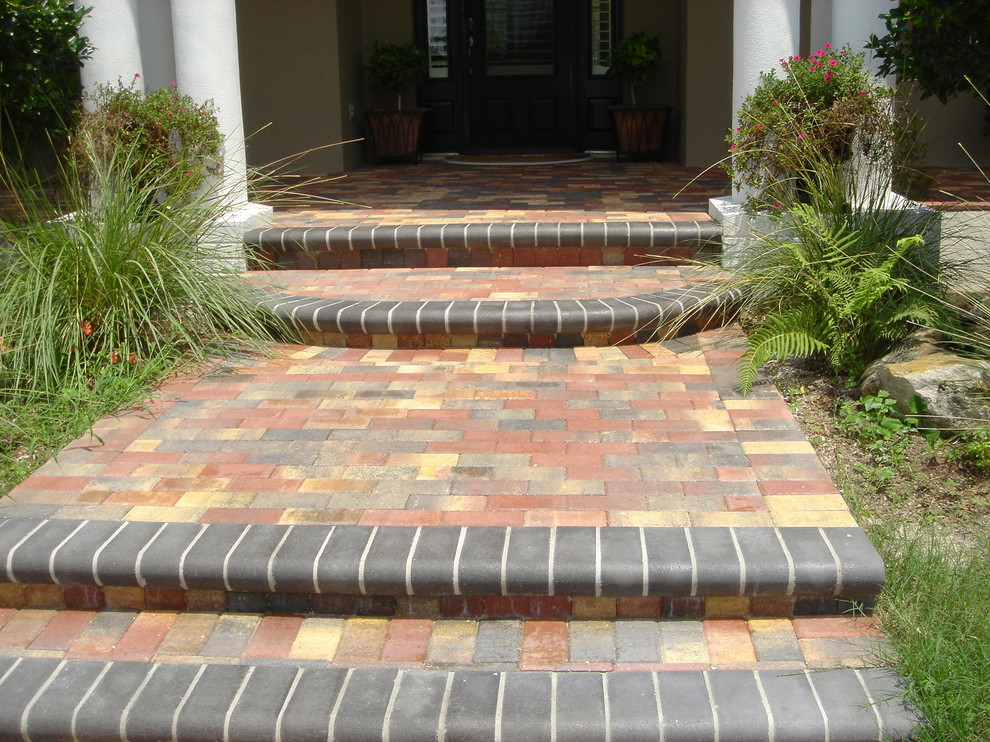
[639, 130]
[395, 134]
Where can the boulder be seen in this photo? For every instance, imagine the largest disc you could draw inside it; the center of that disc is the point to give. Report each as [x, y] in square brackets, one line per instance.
[955, 389]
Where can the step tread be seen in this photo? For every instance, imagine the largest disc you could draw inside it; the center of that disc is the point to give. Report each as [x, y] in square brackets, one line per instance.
[443, 560]
[553, 644]
[90, 700]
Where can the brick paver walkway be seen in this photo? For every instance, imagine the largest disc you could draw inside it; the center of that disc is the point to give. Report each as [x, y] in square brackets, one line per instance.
[632, 435]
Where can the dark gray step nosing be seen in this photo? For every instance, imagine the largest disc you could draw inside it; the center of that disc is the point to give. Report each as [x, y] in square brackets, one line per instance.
[100, 700]
[444, 560]
[493, 235]
[482, 317]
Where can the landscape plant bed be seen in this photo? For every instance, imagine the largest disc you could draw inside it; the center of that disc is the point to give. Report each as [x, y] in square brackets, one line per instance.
[932, 486]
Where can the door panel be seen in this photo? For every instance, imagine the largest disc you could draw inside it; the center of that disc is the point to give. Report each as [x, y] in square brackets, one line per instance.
[520, 75]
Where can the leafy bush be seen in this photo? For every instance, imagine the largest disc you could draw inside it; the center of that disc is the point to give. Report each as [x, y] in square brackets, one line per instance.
[823, 110]
[167, 136]
[39, 78]
[939, 43]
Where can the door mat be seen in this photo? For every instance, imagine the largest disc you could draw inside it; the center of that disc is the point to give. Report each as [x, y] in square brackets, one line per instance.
[511, 160]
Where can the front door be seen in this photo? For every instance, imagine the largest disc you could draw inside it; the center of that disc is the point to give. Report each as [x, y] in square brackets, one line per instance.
[517, 75]
[521, 67]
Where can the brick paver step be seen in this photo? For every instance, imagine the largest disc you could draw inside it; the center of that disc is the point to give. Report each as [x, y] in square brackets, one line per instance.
[555, 644]
[519, 244]
[837, 566]
[330, 311]
[100, 700]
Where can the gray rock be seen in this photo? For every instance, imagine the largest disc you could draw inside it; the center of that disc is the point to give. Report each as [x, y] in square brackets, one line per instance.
[955, 389]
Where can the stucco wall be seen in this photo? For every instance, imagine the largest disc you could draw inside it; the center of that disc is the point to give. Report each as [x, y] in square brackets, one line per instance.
[960, 121]
[291, 83]
[706, 89]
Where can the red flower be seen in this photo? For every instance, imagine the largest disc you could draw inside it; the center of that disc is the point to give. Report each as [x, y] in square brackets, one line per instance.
[86, 327]
[133, 358]
[114, 357]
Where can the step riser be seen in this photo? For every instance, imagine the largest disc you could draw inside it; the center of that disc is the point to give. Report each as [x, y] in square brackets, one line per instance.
[262, 258]
[470, 323]
[442, 340]
[89, 597]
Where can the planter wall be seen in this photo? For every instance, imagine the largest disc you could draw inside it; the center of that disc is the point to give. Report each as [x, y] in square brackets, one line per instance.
[395, 135]
[639, 130]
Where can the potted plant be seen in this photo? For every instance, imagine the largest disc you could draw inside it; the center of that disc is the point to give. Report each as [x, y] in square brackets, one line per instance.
[639, 128]
[395, 67]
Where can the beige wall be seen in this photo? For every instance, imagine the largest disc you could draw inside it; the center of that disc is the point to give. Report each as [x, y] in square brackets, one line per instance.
[294, 90]
[706, 88]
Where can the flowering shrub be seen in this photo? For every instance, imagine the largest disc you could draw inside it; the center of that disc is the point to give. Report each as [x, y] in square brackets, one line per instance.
[819, 111]
[166, 133]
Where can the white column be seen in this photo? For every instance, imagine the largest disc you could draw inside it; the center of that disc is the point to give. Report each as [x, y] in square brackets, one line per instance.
[206, 67]
[763, 33]
[112, 28]
[155, 36]
[854, 20]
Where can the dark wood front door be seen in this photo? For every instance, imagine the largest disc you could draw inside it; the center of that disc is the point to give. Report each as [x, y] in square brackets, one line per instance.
[521, 67]
[517, 75]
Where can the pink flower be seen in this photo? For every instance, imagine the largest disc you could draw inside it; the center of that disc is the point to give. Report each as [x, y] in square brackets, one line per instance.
[759, 126]
[862, 92]
[820, 53]
[733, 147]
[169, 115]
[828, 77]
[738, 128]
[800, 136]
[136, 75]
[827, 45]
[777, 204]
[189, 175]
[833, 62]
[774, 102]
[172, 84]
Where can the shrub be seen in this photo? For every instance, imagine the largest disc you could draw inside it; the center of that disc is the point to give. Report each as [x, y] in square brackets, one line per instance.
[166, 136]
[821, 110]
[395, 67]
[39, 78]
[632, 60]
[115, 284]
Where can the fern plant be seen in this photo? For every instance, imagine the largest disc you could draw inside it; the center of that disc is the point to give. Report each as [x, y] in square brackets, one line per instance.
[837, 288]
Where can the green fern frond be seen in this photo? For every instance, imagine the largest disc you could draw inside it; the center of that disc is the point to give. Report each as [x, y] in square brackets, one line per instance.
[792, 335]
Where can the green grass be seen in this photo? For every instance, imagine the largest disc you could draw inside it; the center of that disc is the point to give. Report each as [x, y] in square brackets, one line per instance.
[33, 427]
[935, 609]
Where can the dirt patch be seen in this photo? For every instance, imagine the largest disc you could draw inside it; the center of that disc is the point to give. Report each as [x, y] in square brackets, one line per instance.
[924, 484]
